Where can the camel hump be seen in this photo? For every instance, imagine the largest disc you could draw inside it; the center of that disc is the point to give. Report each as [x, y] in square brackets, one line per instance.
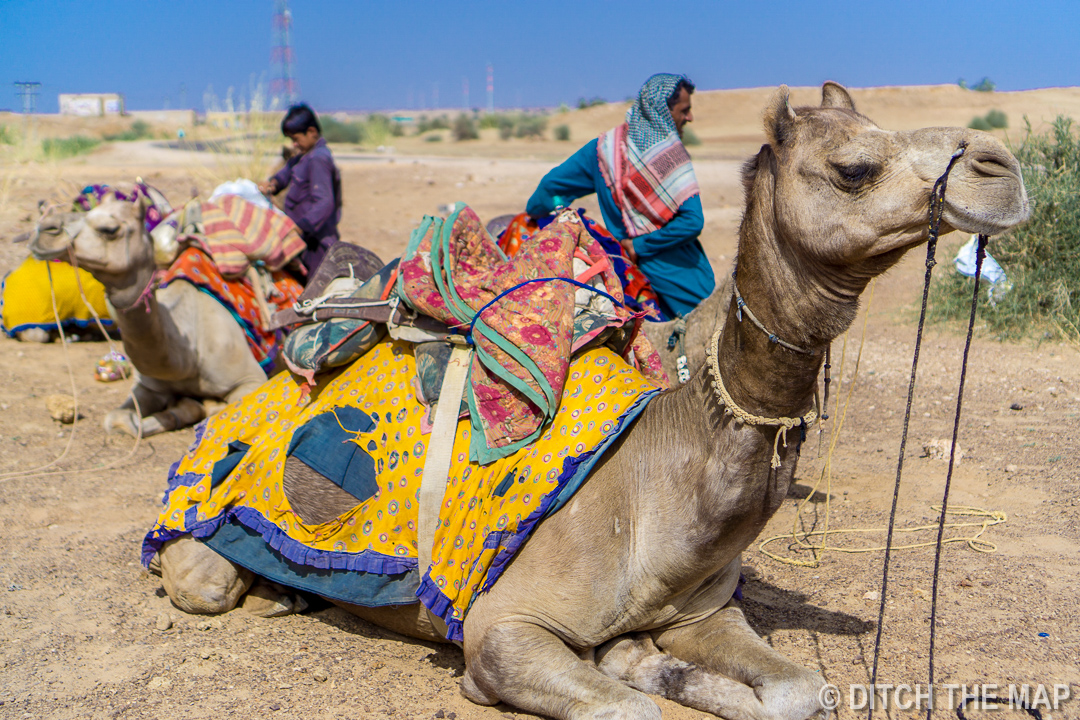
[835, 95]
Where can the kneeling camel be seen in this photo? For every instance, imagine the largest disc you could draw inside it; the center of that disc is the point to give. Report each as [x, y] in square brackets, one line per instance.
[628, 589]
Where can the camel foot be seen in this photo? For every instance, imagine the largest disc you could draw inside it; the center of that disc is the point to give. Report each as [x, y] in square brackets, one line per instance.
[184, 413]
[268, 600]
[34, 335]
[637, 662]
[123, 420]
[198, 580]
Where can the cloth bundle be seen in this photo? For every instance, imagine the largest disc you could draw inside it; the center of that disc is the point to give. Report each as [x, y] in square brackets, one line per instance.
[520, 313]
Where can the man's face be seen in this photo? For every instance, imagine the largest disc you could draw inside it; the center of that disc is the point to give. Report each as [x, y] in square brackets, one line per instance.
[306, 140]
[680, 111]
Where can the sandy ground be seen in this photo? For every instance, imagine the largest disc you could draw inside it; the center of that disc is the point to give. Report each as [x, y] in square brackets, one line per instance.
[81, 622]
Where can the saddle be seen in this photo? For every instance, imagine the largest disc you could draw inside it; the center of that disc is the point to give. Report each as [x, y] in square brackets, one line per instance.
[350, 284]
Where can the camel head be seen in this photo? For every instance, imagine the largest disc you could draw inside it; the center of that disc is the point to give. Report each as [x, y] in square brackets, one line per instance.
[109, 241]
[847, 195]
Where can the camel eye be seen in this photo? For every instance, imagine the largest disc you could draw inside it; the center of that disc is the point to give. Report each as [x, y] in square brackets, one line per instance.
[109, 231]
[855, 174]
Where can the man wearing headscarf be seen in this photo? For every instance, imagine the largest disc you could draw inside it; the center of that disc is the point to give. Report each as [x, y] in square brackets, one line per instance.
[647, 191]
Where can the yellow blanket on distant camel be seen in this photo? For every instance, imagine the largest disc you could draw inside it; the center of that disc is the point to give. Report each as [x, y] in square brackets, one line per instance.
[26, 302]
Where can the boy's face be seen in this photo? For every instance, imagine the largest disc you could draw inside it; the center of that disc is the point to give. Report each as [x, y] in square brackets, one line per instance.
[304, 141]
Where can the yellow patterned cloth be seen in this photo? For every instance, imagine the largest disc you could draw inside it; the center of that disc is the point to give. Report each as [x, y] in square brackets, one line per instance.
[362, 429]
[26, 301]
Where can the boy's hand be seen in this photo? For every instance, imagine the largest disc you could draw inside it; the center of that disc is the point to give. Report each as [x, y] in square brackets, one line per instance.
[268, 187]
[628, 246]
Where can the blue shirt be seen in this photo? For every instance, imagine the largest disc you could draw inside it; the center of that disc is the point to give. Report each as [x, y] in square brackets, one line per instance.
[314, 198]
[671, 257]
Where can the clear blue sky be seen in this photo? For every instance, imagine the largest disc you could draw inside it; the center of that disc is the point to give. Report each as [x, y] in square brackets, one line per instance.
[380, 54]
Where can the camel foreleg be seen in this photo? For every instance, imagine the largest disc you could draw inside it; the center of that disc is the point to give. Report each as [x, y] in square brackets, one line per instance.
[527, 666]
[725, 644]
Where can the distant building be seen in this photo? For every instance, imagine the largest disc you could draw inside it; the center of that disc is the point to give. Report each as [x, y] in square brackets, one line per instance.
[91, 104]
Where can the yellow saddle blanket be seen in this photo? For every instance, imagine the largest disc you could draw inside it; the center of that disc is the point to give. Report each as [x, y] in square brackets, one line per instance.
[26, 299]
[361, 429]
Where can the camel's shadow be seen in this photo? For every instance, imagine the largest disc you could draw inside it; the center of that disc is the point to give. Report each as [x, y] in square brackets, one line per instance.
[445, 657]
[769, 608]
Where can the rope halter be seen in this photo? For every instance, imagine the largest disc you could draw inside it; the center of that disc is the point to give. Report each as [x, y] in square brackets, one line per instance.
[731, 408]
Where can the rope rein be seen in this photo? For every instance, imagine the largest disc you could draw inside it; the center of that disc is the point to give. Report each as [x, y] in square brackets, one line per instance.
[980, 255]
[937, 208]
[732, 408]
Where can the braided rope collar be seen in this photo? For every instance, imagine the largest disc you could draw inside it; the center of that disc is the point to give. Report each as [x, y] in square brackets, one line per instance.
[731, 408]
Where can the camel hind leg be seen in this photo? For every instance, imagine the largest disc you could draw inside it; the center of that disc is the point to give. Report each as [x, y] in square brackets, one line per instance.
[202, 582]
[198, 580]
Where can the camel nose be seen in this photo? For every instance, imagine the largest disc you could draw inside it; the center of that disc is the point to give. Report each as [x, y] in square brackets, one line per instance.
[987, 157]
[992, 165]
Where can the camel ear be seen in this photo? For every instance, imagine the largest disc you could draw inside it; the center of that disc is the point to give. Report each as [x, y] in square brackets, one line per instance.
[779, 117]
[835, 95]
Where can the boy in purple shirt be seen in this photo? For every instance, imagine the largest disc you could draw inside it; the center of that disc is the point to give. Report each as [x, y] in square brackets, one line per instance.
[314, 198]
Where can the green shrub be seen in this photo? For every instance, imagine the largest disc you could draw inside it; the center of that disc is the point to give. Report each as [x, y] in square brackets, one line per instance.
[530, 126]
[1040, 257]
[139, 130]
[489, 121]
[464, 128]
[993, 119]
[985, 85]
[689, 137]
[435, 137]
[997, 119]
[562, 132]
[7, 137]
[583, 103]
[335, 131]
[426, 124]
[59, 148]
[506, 127]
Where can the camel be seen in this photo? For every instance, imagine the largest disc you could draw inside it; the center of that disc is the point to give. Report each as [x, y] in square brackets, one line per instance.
[628, 588]
[185, 346]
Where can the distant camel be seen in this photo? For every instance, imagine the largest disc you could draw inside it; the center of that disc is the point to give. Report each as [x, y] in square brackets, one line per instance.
[185, 345]
[628, 588]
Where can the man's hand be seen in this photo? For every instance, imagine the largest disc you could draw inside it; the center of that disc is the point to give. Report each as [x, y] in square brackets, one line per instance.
[268, 187]
[628, 246]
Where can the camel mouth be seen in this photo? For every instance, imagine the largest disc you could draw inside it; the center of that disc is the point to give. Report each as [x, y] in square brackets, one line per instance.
[990, 220]
[42, 253]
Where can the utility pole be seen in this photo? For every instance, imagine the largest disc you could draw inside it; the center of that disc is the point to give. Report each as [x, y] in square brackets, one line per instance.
[28, 91]
[465, 91]
[284, 88]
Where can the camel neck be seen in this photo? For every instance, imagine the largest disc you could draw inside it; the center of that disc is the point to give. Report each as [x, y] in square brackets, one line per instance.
[788, 297]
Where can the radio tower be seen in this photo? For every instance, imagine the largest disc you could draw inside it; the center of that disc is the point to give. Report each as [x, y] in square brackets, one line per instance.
[284, 89]
[491, 87]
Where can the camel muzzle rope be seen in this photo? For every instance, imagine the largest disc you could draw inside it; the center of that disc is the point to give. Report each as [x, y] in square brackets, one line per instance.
[937, 209]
